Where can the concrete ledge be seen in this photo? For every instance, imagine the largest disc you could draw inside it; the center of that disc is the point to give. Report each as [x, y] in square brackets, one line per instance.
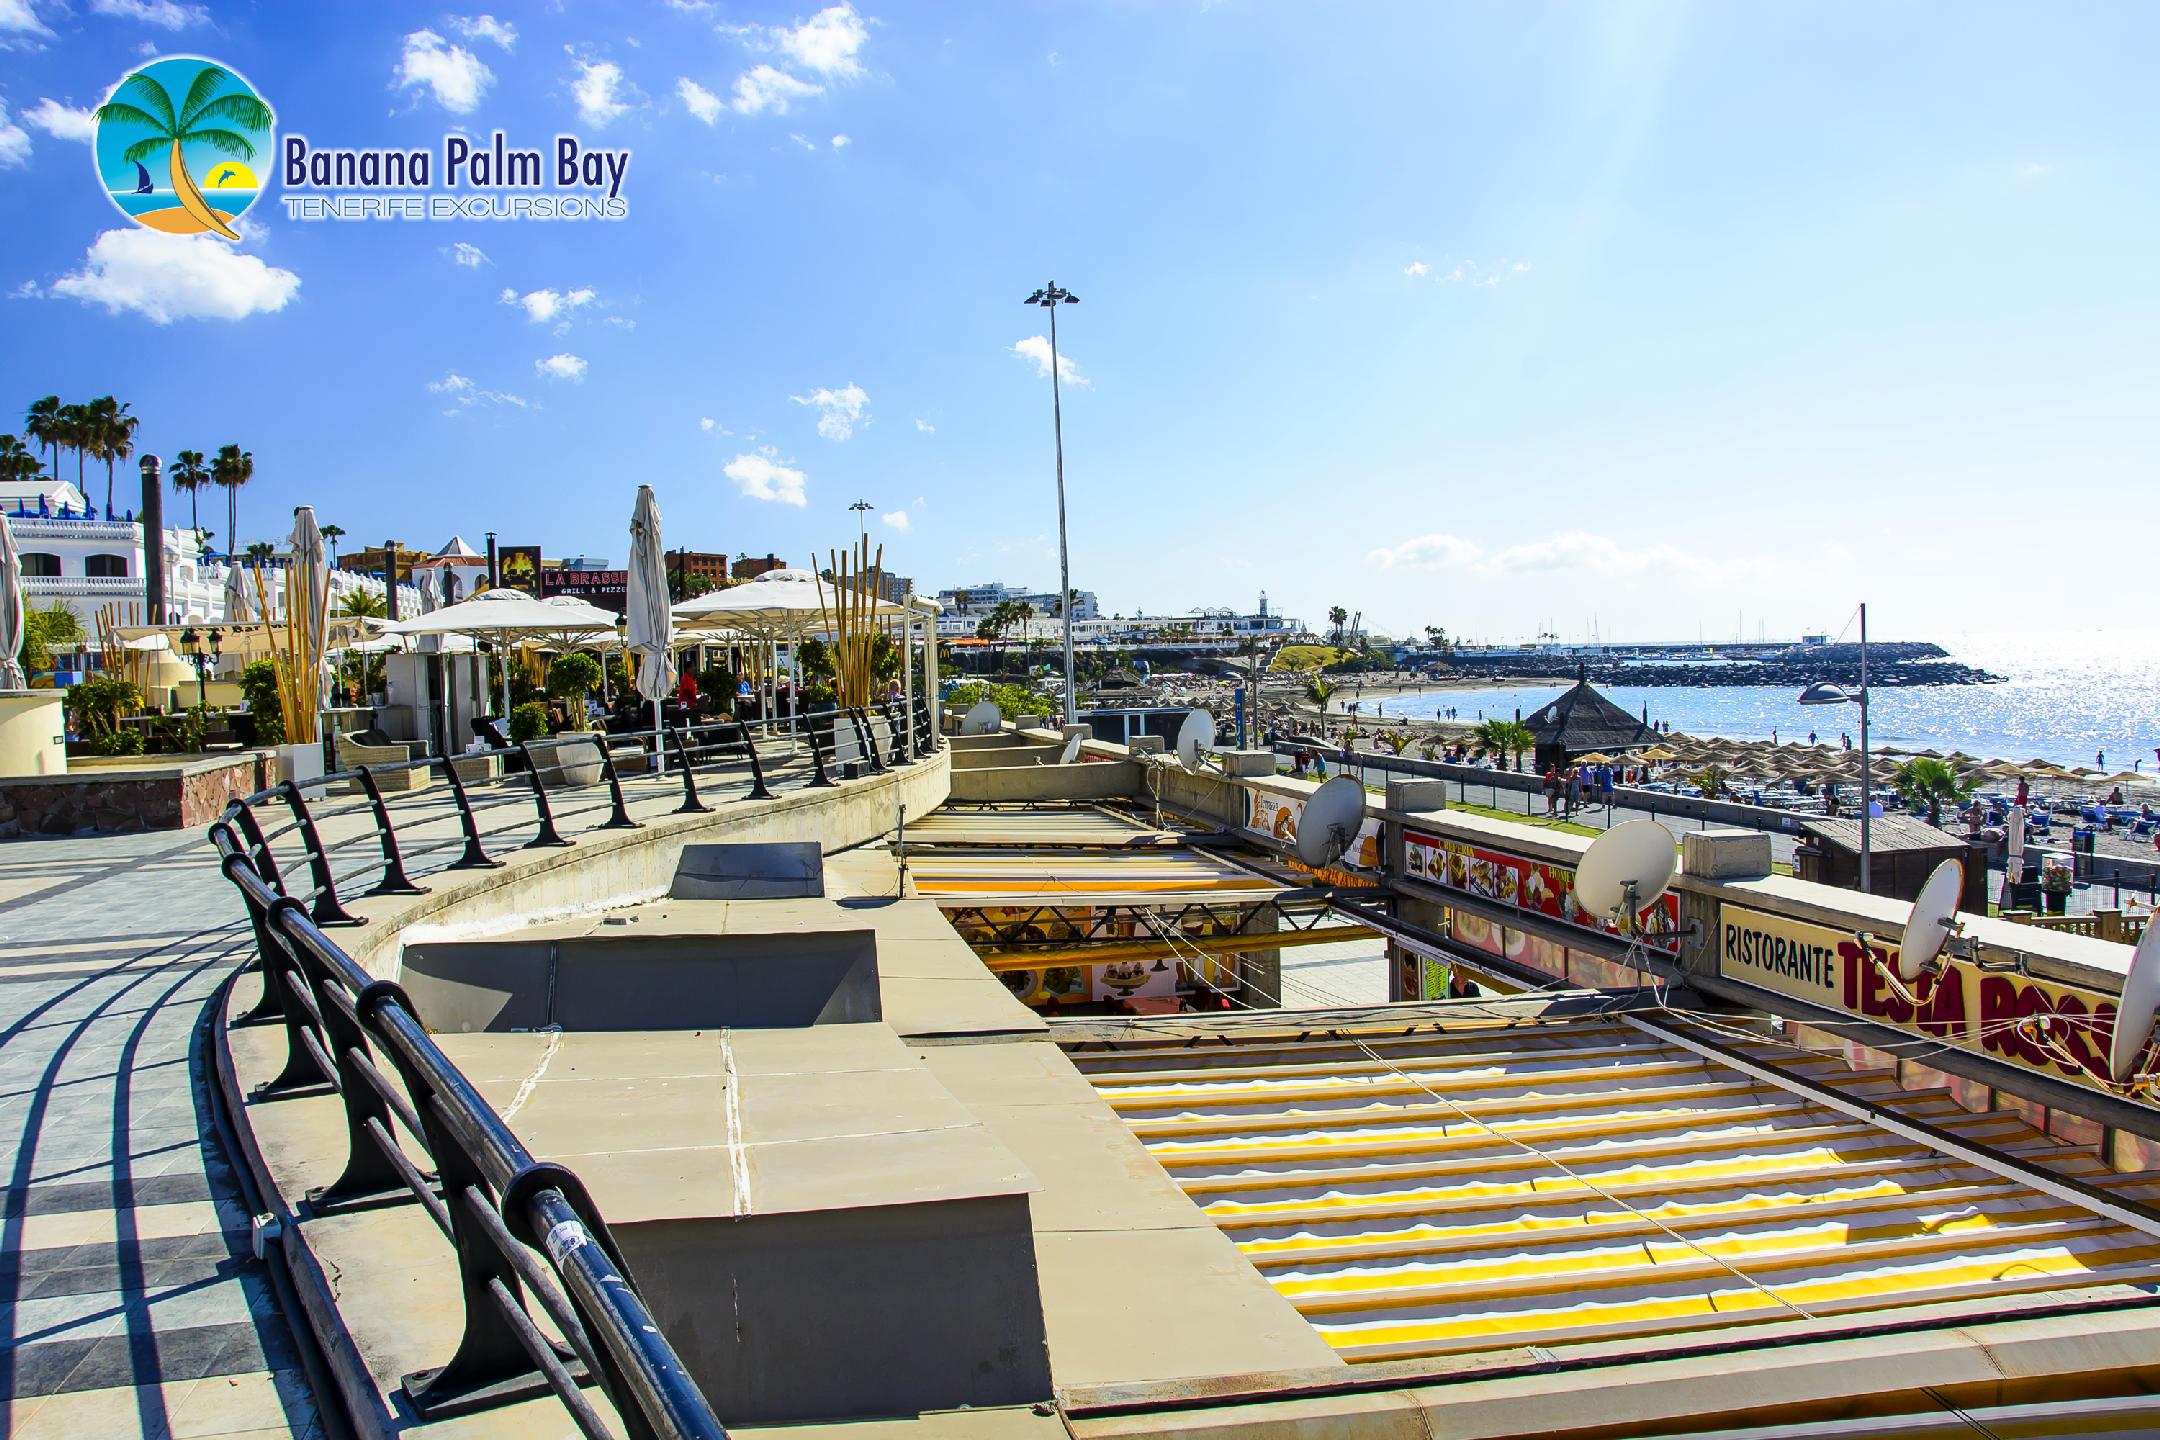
[1106, 780]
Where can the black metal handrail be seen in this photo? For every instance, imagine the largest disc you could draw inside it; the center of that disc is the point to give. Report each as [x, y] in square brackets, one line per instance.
[520, 1226]
[709, 744]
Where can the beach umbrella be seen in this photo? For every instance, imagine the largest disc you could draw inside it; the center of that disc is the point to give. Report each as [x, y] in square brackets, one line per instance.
[1658, 755]
[11, 611]
[237, 611]
[651, 624]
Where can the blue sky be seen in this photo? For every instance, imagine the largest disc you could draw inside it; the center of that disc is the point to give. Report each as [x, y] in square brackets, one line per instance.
[1674, 318]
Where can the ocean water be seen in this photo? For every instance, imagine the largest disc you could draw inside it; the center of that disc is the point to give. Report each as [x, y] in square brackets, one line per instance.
[2065, 696]
[231, 200]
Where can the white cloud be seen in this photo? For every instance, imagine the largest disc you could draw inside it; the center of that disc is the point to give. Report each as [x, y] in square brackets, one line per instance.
[561, 367]
[600, 91]
[926, 427]
[803, 140]
[838, 410]
[763, 88]
[176, 277]
[455, 75]
[165, 14]
[712, 427]
[471, 256]
[1417, 270]
[16, 17]
[763, 477]
[14, 141]
[898, 519]
[1519, 266]
[541, 306]
[486, 27]
[841, 142]
[1037, 349]
[698, 100]
[827, 42]
[464, 394]
[62, 122]
[1570, 550]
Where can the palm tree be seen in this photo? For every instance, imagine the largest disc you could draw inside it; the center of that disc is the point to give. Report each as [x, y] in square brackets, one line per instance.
[147, 105]
[1506, 739]
[365, 604]
[41, 422]
[189, 475]
[232, 469]
[18, 462]
[259, 551]
[1924, 780]
[1338, 617]
[333, 534]
[78, 432]
[112, 437]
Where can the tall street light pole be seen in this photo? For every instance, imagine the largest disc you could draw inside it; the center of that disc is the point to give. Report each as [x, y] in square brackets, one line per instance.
[1824, 693]
[1050, 297]
[862, 509]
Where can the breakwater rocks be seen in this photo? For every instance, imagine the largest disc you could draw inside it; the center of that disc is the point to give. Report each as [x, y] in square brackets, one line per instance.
[1896, 663]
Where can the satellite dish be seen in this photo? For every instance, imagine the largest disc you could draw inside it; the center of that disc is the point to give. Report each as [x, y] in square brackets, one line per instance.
[1625, 869]
[1933, 921]
[1196, 739]
[1072, 750]
[1330, 821]
[2134, 1013]
[984, 719]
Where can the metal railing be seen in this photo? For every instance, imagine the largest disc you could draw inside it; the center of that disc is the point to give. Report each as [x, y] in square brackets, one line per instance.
[525, 1232]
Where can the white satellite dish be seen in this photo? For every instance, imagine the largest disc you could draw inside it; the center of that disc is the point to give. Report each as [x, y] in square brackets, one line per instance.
[983, 719]
[1933, 921]
[2135, 1011]
[1330, 821]
[1625, 869]
[1196, 739]
[1071, 751]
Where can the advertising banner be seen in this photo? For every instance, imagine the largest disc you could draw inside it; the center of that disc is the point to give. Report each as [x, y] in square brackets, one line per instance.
[1972, 1009]
[1276, 816]
[1535, 887]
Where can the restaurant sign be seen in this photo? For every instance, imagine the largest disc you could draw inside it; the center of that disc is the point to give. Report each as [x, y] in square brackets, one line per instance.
[1536, 887]
[1971, 1008]
[1276, 817]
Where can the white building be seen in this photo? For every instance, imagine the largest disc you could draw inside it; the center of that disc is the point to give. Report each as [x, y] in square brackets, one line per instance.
[1217, 626]
[72, 556]
[961, 618]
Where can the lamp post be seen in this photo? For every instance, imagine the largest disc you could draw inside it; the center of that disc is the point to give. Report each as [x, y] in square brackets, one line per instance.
[202, 652]
[1823, 692]
[862, 509]
[1050, 297]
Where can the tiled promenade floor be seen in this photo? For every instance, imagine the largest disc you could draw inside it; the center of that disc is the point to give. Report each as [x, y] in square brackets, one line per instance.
[129, 1302]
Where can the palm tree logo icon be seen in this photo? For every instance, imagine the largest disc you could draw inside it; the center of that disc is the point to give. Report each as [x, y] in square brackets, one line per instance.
[209, 132]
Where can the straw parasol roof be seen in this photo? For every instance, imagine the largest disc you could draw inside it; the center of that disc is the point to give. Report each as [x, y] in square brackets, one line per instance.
[1596, 757]
[1658, 754]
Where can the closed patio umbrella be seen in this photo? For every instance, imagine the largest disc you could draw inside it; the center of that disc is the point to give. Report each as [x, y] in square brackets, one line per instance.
[11, 611]
[238, 609]
[650, 624]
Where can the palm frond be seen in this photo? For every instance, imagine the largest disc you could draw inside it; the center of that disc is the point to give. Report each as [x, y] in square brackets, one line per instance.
[119, 112]
[226, 141]
[143, 149]
[153, 98]
[245, 111]
[206, 84]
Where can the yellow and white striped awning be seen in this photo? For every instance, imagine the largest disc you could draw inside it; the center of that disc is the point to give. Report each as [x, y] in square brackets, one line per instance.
[1578, 1181]
[996, 877]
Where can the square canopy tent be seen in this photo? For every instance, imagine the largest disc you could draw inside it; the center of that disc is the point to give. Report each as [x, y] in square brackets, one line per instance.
[1580, 721]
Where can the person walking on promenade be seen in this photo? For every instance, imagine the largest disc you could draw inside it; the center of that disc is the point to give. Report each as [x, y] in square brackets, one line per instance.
[1552, 789]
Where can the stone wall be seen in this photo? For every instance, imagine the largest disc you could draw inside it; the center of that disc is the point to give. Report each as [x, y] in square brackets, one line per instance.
[124, 799]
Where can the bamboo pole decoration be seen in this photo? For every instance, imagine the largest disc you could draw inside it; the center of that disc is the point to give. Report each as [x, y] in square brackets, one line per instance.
[852, 619]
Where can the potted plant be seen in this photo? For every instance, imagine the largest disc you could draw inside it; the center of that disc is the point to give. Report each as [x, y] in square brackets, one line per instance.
[572, 680]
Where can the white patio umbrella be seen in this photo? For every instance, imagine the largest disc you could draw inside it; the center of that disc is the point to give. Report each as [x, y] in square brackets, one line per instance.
[238, 603]
[650, 625]
[11, 611]
[505, 615]
[781, 606]
[307, 592]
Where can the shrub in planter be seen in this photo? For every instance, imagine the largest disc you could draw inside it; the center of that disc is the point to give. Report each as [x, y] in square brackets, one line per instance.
[529, 722]
[259, 687]
[572, 679]
[96, 707]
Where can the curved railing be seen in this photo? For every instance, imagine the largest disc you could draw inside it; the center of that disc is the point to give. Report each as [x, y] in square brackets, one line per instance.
[524, 1231]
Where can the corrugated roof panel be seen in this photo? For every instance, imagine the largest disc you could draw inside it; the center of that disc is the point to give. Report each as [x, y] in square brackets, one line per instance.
[987, 876]
[1552, 1182]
